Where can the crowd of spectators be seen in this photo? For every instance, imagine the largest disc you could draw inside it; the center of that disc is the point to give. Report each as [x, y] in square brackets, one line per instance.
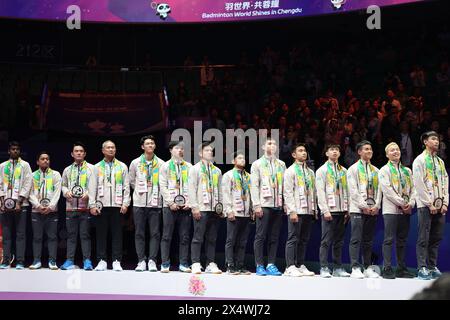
[380, 90]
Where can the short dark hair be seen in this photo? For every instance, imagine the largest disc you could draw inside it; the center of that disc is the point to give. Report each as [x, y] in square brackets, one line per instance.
[362, 144]
[269, 138]
[147, 137]
[41, 153]
[237, 153]
[428, 134]
[205, 144]
[439, 290]
[13, 144]
[79, 144]
[174, 143]
[298, 145]
[332, 146]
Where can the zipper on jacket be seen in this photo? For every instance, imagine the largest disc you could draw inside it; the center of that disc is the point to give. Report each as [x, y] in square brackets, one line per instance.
[276, 188]
[78, 183]
[110, 186]
[306, 187]
[212, 184]
[337, 186]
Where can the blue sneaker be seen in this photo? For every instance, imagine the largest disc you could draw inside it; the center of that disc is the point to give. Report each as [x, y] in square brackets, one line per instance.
[87, 265]
[5, 265]
[435, 273]
[261, 271]
[424, 274]
[272, 270]
[20, 266]
[68, 265]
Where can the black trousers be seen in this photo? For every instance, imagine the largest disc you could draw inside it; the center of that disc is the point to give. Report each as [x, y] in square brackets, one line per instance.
[110, 218]
[143, 216]
[47, 223]
[363, 231]
[298, 237]
[271, 219]
[431, 232]
[78, 222]
[170, 219]
[14, 224]
[332, 233]
[396, 227]
[205, 229]
[237, 235]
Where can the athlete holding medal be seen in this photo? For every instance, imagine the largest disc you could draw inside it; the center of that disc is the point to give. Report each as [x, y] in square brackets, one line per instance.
[206, 202]
[399, 197]
[108, 202]
[147, 203]
[15, 175]
[78, 181]
[365, 202]
[332, 198]
[237, 204]
[174, 181]
[300, 197]
[44, 199]
[267, 201]
[431, 181]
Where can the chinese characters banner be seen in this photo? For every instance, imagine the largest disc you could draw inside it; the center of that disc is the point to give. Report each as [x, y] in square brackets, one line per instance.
[167, 11]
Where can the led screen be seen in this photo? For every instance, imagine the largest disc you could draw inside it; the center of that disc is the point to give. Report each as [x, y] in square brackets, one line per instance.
[187, 11]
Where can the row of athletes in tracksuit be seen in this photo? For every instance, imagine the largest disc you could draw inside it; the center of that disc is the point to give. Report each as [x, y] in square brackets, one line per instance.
[200, 193]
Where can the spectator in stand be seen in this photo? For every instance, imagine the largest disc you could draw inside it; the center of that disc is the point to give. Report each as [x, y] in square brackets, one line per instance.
[391, 80]
[215, 121]
[417, 76]
[206, 72]
[350, 153]
[409, 144]
[389, 126]
[391, 100]
[373, 125]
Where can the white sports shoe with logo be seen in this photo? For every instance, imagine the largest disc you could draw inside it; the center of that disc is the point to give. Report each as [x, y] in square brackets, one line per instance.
[371, 273]
[305, 272]
[101, 266]
[142, 266]
[212, 268]
[292, 271]
[117, 266]
[356, 273]
[152, 266]
[196, 268]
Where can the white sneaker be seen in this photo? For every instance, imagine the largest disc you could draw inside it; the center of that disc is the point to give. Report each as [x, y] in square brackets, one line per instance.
[212, 268]
[117, 266]
[185, 269]
[52, 265]
[325, 272]
[165, 269]
[101, 266]
[196, 268]
[340, 272]
[356, 273]
[152, 266]
[370, 273]
[292, 271]
[304, 271]
[142, 266]
[36, 266]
